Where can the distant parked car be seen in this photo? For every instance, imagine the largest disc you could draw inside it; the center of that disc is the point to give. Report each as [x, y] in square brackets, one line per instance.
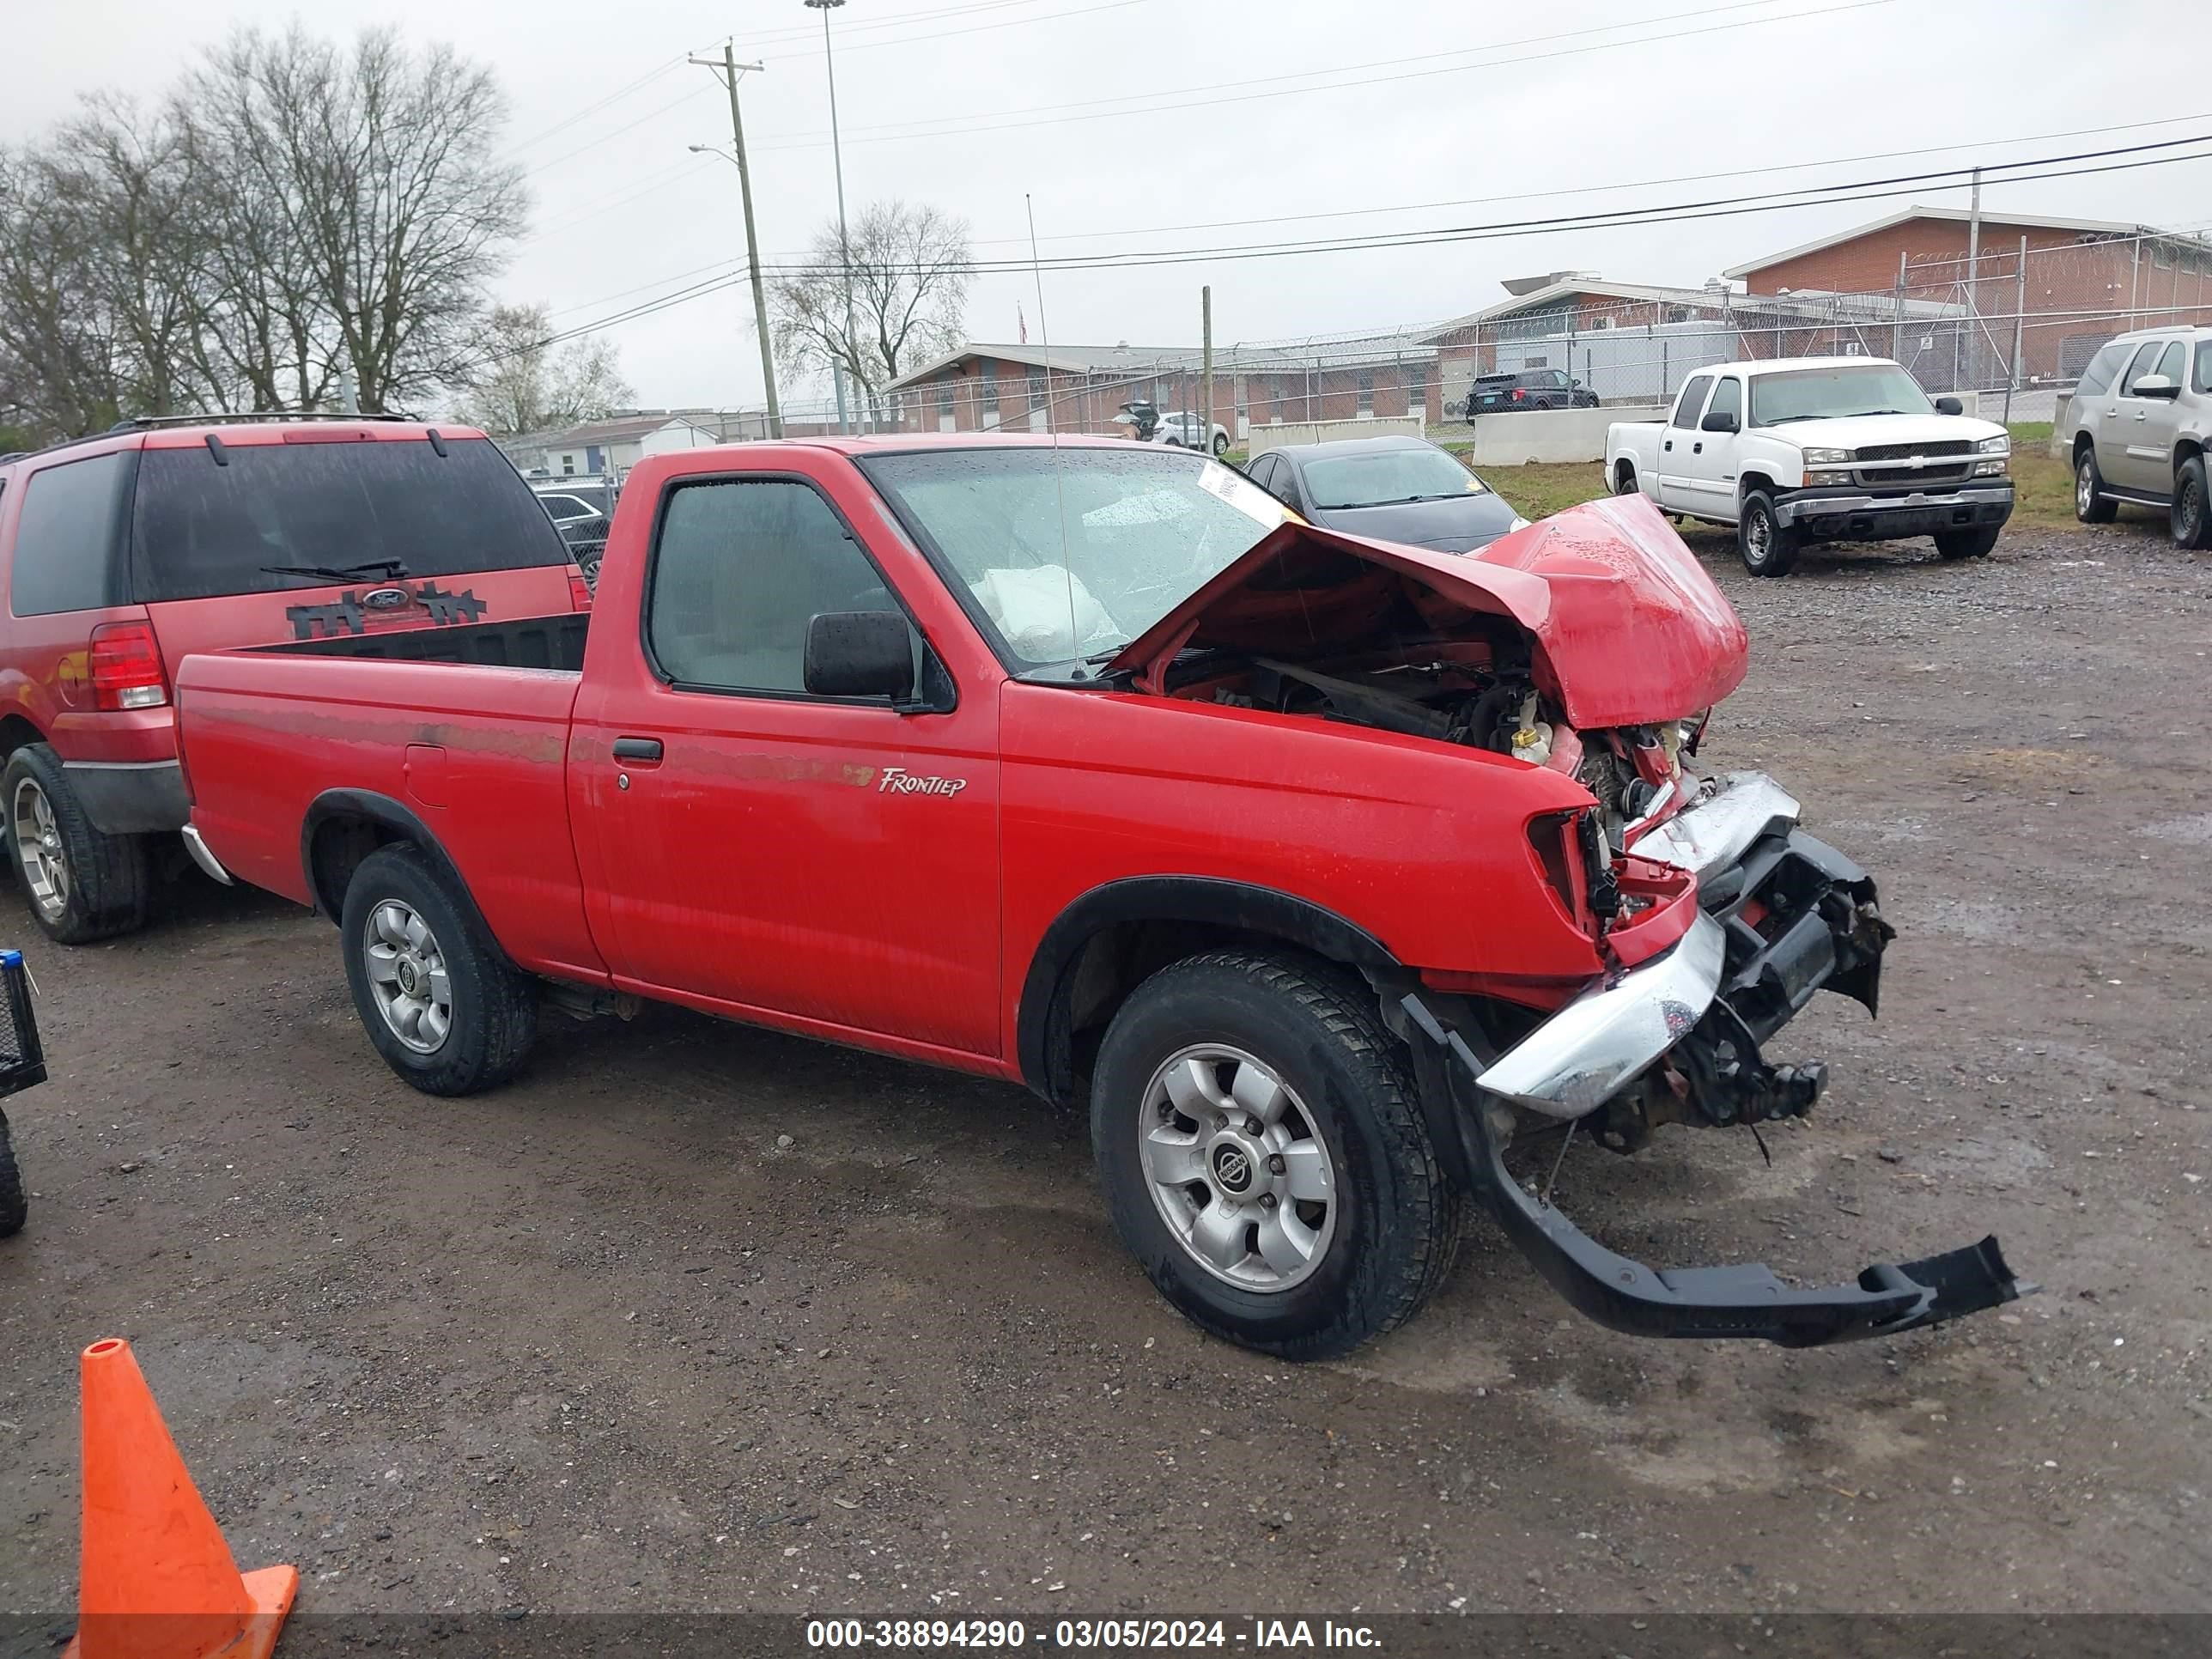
[1395, 490]
[1532, 388]
[1178, 430]
[581, 513]
[1182, 430]
[2139, 424]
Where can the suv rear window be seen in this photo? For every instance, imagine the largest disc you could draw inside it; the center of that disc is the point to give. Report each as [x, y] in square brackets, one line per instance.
[68, 537]
[203, 531]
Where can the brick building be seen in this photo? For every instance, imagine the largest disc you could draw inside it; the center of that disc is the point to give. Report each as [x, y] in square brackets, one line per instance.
[2087, 279]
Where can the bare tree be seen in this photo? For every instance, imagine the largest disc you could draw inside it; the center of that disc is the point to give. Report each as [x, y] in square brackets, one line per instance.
[527, 385]
[61, 372]
[377, 166]
[910, 269]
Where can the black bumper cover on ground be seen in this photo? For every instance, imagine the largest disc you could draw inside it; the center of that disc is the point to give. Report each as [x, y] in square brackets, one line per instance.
[1686, 1302]
[1817, 928]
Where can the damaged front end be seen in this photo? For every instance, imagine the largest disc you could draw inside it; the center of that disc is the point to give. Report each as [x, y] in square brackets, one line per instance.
[1677, 1039]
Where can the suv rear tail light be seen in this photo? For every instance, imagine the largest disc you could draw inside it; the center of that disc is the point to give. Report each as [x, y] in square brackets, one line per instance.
[580, 591]
[126, 667]
[1519, 394]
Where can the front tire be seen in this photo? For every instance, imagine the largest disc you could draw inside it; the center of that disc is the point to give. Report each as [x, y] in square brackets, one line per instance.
[1220, 443]
[442, 1005]
[2091, 504]
[1263, 1153]
[81, 885]
[1967, 544]
[1767, 546]
[2191, 516]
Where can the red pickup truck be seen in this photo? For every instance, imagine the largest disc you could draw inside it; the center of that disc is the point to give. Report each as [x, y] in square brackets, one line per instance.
[1321, 869]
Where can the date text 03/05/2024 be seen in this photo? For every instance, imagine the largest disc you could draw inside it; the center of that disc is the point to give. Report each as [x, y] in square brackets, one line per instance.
[1089, 1633]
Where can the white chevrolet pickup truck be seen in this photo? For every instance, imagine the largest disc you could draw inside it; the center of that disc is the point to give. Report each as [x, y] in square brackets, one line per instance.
[1796, 449]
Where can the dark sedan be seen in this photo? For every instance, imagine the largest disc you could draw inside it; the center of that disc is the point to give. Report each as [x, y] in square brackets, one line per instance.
[1395, 490]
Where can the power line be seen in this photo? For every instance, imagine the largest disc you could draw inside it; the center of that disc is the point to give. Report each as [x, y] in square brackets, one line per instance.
[1855, 190]
[691, 96]
[885, 136]
[1593, 190]
[1430, 57]
[619, 92]
[1866, 189]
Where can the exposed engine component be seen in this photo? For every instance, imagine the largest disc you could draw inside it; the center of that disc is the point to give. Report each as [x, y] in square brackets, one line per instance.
[1447, 702]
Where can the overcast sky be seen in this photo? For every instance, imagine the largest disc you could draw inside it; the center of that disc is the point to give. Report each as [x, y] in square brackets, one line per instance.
[1465, 113]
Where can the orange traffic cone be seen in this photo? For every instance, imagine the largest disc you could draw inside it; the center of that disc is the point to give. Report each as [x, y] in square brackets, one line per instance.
[156, 1580]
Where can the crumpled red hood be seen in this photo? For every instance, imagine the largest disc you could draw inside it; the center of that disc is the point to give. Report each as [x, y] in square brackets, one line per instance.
[1629, 628]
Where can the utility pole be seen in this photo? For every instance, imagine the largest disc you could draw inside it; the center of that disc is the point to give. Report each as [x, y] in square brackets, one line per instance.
[1974, 265]
[844, 244]
[731, 69]
[1206, 373]
[2019, 329]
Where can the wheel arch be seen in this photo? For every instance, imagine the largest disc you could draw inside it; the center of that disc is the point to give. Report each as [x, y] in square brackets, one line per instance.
[1747, 482]
[17, 733]
[2083, 444]
[1109, 941]
[342, 827]
[2187, 449]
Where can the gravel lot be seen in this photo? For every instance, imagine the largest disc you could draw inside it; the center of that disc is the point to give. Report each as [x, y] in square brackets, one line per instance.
[695, 1317]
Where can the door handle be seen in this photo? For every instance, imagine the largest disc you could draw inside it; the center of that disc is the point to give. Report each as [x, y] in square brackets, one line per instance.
[1670, 444]
[641, 751]
[1697, 448]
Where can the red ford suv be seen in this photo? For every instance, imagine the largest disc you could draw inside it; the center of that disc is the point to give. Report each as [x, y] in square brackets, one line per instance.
[121, 553]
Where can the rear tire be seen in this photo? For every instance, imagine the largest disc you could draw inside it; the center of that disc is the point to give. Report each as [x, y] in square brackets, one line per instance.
[80, 885]
[1967, 544]
[1220, 443]
[1766, 545]
[439, 1001]
[1234, 1036]
[2191, 517]
[2091, 505]
[1624, 480]
[13, 1206]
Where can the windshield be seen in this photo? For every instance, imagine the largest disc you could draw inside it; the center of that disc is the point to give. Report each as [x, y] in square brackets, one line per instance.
[1386, 475]
[1069, 553]
[1827, 394]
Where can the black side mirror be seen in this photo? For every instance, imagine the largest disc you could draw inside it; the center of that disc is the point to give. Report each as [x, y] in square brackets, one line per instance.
[861, 653]
[1722, 422]
[1949, 406]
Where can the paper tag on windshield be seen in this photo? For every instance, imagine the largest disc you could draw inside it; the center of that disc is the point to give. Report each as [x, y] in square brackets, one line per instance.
[1240, 493]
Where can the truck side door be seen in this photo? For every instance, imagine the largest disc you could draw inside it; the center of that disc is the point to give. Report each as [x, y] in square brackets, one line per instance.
[1708, 473]
[1676, 441]
[829, 864]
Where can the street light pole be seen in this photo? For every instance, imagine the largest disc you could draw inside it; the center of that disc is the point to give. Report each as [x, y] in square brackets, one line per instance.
[837, 156]
[731, 69]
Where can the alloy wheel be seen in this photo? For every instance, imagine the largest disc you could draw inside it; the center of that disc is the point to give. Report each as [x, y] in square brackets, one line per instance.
[38, 846]
[1237, 1169]
[407, 976]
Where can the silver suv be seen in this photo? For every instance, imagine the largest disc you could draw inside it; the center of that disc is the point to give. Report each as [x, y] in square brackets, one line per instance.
[2138, 426]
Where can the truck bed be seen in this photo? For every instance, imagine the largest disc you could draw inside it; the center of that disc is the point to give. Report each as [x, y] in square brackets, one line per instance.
[555, 643]
[463, 728]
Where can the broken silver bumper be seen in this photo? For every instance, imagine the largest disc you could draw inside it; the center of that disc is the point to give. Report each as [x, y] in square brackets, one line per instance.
[1715, 832]
[1592, 1049]
[1594, 1046]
